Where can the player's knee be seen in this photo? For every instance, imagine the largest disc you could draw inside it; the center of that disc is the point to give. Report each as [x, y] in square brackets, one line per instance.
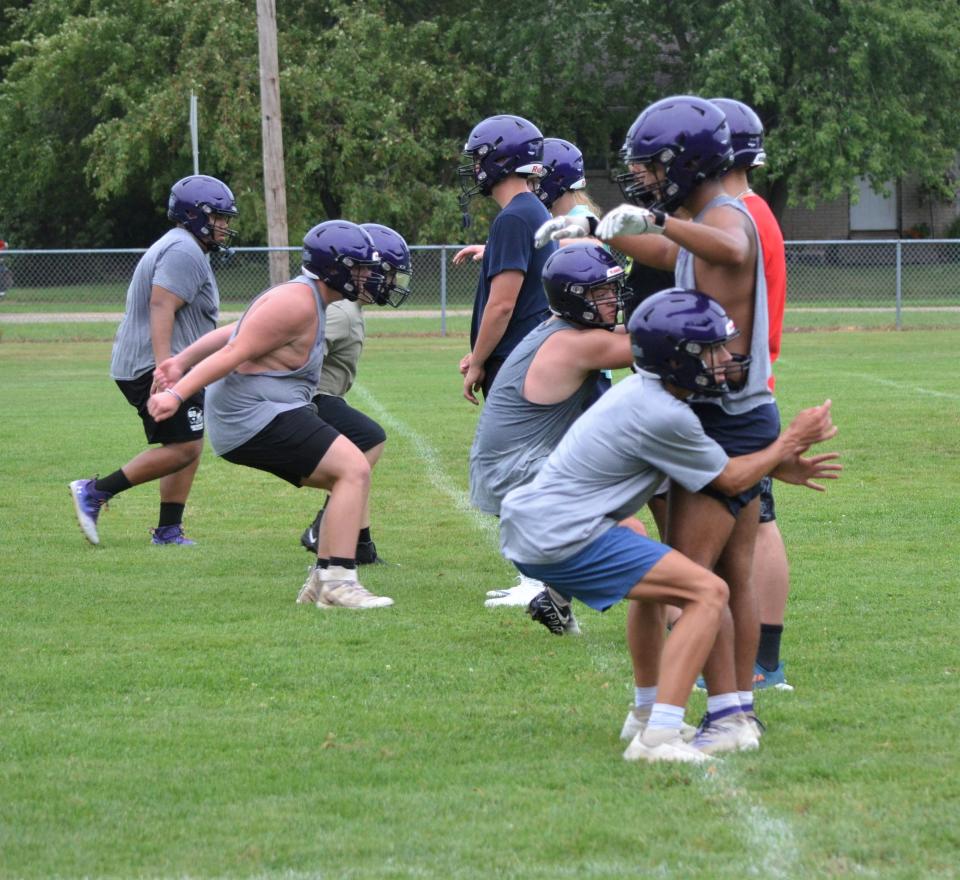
[714, 592]
[357, 473]
[184, 454]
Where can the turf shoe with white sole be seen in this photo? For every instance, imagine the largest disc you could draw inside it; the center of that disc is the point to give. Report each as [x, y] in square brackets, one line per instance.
[88, 502]
[170, 535]
[310, 534]
[773, 679]
[636, 722]
[731, 733]
[663, 744]
[310, 591]
[339, 588]
[520, 595]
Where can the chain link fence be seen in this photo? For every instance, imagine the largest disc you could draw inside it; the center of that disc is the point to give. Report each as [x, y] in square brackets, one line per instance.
[830, 283]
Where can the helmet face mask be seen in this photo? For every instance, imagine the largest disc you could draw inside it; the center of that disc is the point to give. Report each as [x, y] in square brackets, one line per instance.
[680, 335]
[204, 206]
[584, 284]
[687, 136]
[342, 255]
[395, 266]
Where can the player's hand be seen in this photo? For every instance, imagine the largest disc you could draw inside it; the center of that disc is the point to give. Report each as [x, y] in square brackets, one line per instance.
[472, 383]
[167, 373]
[161, 406]
[465, 364]
[561, 227]
[474, 251]
[803, 471]
[811, 426]
[628, 220]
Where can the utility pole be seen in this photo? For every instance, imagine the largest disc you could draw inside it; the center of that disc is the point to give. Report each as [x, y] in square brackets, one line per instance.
[274, 178]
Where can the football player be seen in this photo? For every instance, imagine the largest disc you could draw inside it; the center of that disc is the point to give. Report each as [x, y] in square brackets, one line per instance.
[342, 345]
[263, 372]
[570, 526]
[172, 301]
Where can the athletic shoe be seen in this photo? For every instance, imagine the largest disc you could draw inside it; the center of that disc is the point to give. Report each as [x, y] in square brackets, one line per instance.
[553, 611]
[367, 554]
[520, 595]
[636, 722]
[170, 535]
[759, 728]
[770, 678]
[663, 744]
[349, 594]
[732, 733]
[310, 592]
[88, 502]
[309, 536]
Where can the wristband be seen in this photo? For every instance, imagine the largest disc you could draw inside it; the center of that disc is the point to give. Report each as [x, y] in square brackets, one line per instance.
[174, 393]
[659, 217]
[593, 223]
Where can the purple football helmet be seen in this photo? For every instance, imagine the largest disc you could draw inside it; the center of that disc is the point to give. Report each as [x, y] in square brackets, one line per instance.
[394, 264]
[746, 133]
[570, 278]
[498, 146]
[670, 333]
[563, 167]
[192, 202]
[336, 252]
[688, 137]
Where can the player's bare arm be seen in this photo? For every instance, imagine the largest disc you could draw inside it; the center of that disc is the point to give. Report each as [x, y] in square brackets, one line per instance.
[504, 290]
[566, 358]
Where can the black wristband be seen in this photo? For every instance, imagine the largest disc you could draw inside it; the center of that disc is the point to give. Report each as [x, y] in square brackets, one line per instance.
[593, 223]
[659, 217]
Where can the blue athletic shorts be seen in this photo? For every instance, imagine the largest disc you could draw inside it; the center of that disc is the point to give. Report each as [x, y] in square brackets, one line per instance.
[605, 570]
[738, 435]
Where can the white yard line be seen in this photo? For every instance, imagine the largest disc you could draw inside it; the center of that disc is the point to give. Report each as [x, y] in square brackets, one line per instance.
[770, 848]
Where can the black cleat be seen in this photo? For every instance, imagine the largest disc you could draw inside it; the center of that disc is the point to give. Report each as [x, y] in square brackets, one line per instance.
[309, 537]
[554, 612]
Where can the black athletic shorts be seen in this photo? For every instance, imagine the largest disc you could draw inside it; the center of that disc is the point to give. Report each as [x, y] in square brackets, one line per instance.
[738, 435]
[184, 425]
[362, 431]
[290, 447]
[768, 511]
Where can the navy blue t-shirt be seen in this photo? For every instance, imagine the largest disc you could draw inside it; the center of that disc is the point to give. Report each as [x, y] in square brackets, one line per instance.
[510, 247]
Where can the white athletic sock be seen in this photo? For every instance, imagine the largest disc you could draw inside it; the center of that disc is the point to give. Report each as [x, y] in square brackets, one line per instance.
[720, 702]
[746, 700]
[644, 697]
[663, 715]
[338, 573]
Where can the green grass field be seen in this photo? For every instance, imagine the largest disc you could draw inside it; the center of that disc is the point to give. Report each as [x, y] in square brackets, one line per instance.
[171, 713]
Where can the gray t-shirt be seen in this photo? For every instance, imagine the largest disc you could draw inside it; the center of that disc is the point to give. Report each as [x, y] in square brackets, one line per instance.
[514, 436]
[240, 405]
[607, 466]
[756, 392]
[177, 263]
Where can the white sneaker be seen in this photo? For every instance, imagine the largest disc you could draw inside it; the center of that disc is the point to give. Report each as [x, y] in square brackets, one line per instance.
[637, 720]
[663, 744]
[310, 592]
[734, 733]
[339, 588]
[521, 594]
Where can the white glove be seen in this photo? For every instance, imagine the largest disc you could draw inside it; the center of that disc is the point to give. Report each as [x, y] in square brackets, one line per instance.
[561, 227]
[630, 220]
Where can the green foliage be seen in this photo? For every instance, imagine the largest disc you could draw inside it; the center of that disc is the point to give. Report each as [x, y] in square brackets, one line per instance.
[379, 95]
